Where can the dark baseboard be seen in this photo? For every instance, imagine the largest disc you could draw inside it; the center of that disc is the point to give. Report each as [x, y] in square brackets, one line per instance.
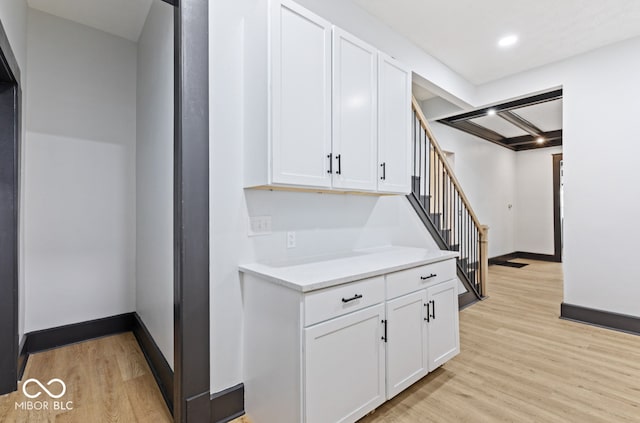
[504, 257]
[159, 366]
[466, 299]
[536, 256]
[22, 358]
[524, 255]
[228, 404]
[47, 339]
[604, 319]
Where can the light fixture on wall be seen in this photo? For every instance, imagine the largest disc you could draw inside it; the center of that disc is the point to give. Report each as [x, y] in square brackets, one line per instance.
[508, 41]
[540, 140]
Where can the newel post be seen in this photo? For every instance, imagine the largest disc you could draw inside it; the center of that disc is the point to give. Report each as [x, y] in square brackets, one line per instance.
[484, 259]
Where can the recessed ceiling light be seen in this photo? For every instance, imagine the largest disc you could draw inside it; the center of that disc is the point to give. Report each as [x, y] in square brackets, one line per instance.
[540, 140]
[491, 112]
[508, 40]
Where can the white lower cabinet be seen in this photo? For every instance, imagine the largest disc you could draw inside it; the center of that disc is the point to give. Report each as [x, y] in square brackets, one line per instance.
[344, 367]
[335, 354]
[407, 342]
[444, 338]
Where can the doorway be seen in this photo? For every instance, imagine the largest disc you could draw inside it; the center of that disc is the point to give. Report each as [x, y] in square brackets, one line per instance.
[9, 210]
[558, 207]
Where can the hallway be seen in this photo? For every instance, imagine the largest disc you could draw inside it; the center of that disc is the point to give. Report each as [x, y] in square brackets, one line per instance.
[520, 363]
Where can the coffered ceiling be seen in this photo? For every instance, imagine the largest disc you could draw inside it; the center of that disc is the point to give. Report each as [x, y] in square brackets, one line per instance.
[522, 124]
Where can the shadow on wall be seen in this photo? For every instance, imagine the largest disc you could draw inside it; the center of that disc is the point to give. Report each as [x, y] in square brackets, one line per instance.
[325, 224]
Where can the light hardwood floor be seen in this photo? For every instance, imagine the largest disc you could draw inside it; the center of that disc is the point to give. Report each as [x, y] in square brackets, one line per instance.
[107, 379]
[521, 363]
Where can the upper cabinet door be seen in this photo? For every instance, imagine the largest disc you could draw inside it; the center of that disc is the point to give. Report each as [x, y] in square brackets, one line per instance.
[300, 97]
[394, 126]
[354, 113]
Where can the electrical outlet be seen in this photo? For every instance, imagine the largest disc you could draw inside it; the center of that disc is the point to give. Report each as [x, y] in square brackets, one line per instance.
[259, 225]
[291, 240]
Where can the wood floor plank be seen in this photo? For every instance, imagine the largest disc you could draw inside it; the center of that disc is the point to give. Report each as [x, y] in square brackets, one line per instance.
[107, 379]
[521, 363]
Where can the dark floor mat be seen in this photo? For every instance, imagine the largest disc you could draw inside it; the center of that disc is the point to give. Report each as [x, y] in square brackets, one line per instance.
[510, 264]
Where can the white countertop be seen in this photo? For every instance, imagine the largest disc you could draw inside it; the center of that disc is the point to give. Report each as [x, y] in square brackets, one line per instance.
[324, 272]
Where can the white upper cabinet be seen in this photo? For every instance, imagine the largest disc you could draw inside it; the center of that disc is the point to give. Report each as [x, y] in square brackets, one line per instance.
[354, 113]
[300, 97]
[394, 126]
[322, 109]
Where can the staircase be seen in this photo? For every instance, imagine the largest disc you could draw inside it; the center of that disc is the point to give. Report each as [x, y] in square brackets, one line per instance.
[446, 212]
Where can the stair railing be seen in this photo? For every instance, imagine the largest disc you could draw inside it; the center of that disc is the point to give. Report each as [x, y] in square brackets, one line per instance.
[436, 188]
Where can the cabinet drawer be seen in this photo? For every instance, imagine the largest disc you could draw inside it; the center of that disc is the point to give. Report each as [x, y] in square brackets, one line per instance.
[338, 300]
[410, 280]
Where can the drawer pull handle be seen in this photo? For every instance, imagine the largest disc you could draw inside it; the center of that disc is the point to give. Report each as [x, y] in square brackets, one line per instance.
[355, 297]
[424, 278]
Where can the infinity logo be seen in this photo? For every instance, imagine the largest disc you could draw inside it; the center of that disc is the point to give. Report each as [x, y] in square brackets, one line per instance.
[43, 388]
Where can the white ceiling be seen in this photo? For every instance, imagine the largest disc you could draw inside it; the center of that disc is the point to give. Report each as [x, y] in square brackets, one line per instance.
[124, 18]
[463, 34]
[499, 125]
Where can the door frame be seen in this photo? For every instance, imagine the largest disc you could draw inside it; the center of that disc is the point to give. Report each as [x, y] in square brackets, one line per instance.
[191, 213]
[557, 223]
[10, 133]
[191, 394]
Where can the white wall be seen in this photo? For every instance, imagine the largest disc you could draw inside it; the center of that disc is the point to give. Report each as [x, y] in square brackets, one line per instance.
[154, 177]
[432, 73]
[486, 172]
[601, 100]
[534, 200]
[324, 223]
[80, 174]
[13, 15]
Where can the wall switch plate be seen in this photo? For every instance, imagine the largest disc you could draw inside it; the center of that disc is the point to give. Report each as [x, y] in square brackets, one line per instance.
[259, 225]
[291, 240]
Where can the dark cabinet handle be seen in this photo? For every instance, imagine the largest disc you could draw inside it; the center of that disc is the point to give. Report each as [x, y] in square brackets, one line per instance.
[339, 159]
[433, 309]
[427, 318]
[355, 297]
[384, 171]
[384, 337]
[424, 278]
[330, 157]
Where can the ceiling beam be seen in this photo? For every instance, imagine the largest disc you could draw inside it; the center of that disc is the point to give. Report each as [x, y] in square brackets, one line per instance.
[521, 123]
[504, 107]
[535, 145]
[479, 131]
[529, 139]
